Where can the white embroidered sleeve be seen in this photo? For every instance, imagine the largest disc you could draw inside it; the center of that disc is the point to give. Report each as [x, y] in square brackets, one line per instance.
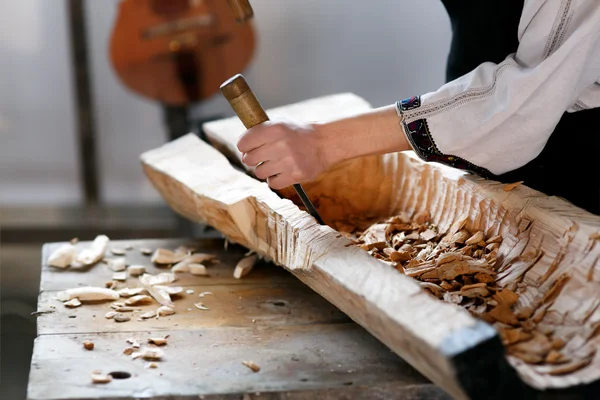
[499, 116]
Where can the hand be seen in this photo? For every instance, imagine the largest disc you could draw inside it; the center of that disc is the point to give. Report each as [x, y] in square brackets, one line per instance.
[284, 153]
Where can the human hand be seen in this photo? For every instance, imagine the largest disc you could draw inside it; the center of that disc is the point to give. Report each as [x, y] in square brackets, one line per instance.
[284, 153]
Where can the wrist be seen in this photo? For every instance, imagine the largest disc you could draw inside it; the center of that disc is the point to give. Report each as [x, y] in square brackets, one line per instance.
[334, 149]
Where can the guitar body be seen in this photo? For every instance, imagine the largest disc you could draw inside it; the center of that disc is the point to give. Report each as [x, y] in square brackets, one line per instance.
[178, 51]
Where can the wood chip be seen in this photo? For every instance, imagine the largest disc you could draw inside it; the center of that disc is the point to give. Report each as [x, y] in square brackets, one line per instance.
[88, 345]
[135, 343]
[164, 311]
[556, 357]
[98, 377]
[158, 341]
[129, 292]
[204, 294]
[200, 306]
[145, 251]
[117, 264]
[73, 303]
[117, 251]
[251, 365]
[63, 256]
[139, 300]
[476, 238]
[118, 317]
[197, 269]
[151, 365]
[136, 270]
[128, 351]
[119, 276]
[148, 315]
[509, 187]
[244, 266]
[571, 367]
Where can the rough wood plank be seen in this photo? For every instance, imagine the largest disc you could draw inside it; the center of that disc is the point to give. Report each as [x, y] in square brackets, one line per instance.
[200, 184]
[234, 306]
[310, 359]
[220, 273]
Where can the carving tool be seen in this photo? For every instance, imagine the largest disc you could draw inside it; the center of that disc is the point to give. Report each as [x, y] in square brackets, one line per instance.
[251, 113]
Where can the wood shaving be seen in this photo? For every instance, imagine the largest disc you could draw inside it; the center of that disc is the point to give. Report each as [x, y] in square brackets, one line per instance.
[165, 256]
[128, 292]
[158, 341]
[73, 303]
[110, 314]
[170, 289]
[151, 365]
[509, 187]
[148, 315]
[204, 294]
[136, 270]
[117, 251]
[92, 254]
[117, 264]
[459, 266]
[189, 291]
[111, 285]
[119, 276]
[126, 309]
[197, 269]
[164, 311]
[198, 258]
[62, 257]
[138, 300]
[88, 345]
[153, 354]
[146, 251]
[118, 317]
[128, 351]
[87, 293]
[200, 306]
[251, 365]
[244, 266]
[135, 343]
[98, 377]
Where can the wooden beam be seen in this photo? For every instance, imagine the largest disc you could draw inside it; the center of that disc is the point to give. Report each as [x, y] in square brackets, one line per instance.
[443, 341]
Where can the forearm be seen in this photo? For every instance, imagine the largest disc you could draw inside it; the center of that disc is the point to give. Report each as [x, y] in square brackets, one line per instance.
[376, 132]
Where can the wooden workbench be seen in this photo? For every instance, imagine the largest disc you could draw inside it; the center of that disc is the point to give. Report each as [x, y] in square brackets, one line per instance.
[305, 347]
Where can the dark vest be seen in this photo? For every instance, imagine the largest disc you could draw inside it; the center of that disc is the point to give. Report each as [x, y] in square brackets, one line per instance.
[569, 165]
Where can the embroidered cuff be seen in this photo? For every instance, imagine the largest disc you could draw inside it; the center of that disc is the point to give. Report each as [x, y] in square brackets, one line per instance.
[420, 139]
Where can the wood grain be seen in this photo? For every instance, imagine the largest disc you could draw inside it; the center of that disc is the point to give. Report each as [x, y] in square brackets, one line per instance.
[200, 184]
[310, 359]
[233, 306]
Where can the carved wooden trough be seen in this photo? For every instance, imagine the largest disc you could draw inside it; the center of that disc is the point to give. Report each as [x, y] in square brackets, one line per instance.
[459, 352]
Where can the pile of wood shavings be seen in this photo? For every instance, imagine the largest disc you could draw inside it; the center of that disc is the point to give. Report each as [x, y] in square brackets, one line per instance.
[460, 267]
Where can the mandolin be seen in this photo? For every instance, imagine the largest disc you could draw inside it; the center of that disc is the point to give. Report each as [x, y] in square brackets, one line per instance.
[178, 51]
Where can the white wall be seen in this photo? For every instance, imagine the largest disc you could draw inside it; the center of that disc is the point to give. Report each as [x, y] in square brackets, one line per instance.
[382, 50]
[38, 159]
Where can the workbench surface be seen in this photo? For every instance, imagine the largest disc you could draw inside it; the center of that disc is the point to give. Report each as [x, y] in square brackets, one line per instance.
[305, 347]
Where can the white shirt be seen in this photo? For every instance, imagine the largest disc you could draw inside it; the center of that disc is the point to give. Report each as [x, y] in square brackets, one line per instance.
[499, 116]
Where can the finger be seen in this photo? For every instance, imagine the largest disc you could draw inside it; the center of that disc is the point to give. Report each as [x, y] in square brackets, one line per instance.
[268, 169]
[279, 182]
[257, 136]
[262, 154]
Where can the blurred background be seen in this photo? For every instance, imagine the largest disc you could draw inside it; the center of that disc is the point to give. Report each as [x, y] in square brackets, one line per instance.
[72, 129]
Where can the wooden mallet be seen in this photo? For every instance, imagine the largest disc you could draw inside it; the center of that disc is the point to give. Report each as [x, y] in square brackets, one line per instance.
[250, 112]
